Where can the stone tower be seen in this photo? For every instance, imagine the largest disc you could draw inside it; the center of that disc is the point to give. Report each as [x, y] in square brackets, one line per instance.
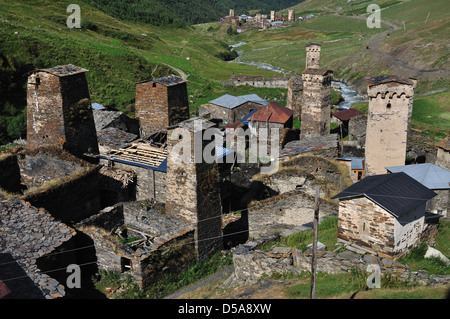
[59, 112]
[192, 185]
[388, 122]
[313, 55]
[231, 13]
[272, 15]
[316, 102]
[294, 95]
[161, 103]
[291, 15]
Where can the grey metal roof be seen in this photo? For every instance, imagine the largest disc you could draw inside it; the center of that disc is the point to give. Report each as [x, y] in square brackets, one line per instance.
[430, 175]
[356, 162]
[398, 193]
[230, 101]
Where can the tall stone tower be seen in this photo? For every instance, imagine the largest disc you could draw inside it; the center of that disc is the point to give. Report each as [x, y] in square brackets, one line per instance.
[291, 15]
[272, 15]
[59, 112]
[316, 102]
[192, 185]
[294, 95]
[161, 103]
[313, 55]
[231, 14]
[388, 122]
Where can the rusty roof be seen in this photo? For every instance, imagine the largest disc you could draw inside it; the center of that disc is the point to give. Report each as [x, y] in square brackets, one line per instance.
[272, 112]
[386, 78]
[346, 115]
[317, 71]
[63, 70]
[312, 43]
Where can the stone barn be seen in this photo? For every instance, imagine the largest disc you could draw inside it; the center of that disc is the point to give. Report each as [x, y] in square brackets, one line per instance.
[230, 109]
[383, 214]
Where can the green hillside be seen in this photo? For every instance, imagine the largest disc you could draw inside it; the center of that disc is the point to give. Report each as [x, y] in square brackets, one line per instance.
[117, 54]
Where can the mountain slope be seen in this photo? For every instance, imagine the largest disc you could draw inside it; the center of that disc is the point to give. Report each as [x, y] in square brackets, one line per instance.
[182, 12]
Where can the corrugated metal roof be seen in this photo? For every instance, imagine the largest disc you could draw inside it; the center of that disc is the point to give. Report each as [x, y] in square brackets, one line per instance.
[356, 162]
[230, 101]
[430, 175]
[273, 113]
[397, 193]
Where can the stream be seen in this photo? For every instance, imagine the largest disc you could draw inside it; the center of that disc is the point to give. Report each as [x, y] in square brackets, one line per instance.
[349, 94]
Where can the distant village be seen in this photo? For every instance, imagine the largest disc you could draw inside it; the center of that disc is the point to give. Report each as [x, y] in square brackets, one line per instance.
[95, 188]
[244, 22]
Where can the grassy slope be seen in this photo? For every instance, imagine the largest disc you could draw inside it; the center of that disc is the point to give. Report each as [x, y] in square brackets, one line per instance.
[117, 54]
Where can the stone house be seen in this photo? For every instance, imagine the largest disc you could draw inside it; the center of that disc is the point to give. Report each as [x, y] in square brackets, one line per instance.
[230, 109]
[273, 115]
[343, 118]
[355, 166]
[435, 178]
[357, 126]
[383, 214]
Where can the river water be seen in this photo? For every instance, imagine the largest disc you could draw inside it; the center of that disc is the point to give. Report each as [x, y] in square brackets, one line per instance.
[349, 94]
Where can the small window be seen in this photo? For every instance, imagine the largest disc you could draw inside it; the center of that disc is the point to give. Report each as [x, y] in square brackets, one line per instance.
[125, 264]
[388, 106]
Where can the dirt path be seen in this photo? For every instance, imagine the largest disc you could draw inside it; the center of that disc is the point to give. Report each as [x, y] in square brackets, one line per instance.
[183, 75]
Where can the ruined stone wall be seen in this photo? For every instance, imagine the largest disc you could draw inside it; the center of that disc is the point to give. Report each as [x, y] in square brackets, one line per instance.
[284, 212]
[443, 158]
[316, 102]
[150, 184]
[294, 95]
[71, 199]
[275, 82]
[10, 174]
[387, 126]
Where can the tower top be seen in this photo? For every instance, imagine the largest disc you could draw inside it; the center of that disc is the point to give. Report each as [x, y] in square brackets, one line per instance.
[386, 78]
[63, 70]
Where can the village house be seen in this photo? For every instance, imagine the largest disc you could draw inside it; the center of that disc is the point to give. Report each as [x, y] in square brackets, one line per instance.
[383, 214]
[343, 118]
[435, 178]
[230, 109]
[355, 166]
[271, 116]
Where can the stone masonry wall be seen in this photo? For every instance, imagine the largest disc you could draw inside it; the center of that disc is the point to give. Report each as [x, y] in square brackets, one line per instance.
[316, 102]
[387, 126]
[250, 264]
